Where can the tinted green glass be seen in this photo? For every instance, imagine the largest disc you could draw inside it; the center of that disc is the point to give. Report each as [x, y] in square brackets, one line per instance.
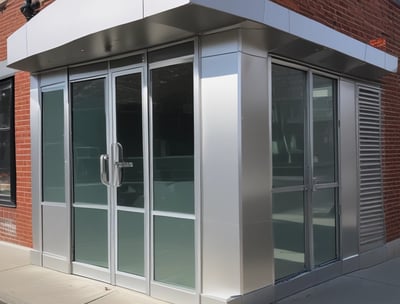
[131, 242]
[88, 140]
[174, 251]
[324, 129]
[91, 242]
[173, 138]
[288, 226]
[53, 146]
[289, 97]
[324, 225]
[129, 135]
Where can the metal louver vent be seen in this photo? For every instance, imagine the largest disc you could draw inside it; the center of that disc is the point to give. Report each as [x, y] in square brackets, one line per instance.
[372, 227]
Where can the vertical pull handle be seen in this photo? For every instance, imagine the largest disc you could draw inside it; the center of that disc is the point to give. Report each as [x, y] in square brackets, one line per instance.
[103, 170]
[118, 168]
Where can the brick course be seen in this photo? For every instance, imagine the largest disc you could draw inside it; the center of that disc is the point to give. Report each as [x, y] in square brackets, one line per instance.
[366, 20]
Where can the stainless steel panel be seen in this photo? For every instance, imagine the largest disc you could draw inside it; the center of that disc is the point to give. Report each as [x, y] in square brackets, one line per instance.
[253, 10]
[349, 200]
[220, 43]
[152, 7]
[256, 201]
[57, 263]
[55, 229]
[220, 175]
[36, 164]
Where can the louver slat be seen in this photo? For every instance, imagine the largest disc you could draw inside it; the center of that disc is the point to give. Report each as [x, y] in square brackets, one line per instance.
[372, 229]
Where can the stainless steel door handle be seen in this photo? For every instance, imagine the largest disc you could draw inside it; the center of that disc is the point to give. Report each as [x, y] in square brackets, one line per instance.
[103, 172]
[124, 164]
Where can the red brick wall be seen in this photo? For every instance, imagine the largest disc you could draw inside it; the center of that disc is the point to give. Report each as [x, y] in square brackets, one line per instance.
[16, 223]
[366, 20]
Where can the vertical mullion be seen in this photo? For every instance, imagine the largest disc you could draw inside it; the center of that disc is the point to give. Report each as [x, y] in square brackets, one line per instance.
[308, 178]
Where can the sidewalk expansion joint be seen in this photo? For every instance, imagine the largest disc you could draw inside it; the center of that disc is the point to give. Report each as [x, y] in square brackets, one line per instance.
[374, 281]
[100, 297]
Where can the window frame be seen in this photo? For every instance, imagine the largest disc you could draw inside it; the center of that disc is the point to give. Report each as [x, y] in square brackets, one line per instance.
[10, 201]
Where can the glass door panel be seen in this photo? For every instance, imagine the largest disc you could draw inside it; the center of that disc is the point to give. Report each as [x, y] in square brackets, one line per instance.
[289, 97]
[324, 225]
[91, 242]
[89, 194]
[130, 257]
[173, 174]
[288, 227]
[130, 174]
[304, 144]
[128, 95]
[324, 181]
[88, 140]
[324, 130]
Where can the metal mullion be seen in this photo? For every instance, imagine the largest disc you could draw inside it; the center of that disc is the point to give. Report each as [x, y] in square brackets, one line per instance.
[308, 176]
[111, 191]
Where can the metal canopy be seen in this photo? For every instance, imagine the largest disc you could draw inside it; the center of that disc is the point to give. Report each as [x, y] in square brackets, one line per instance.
[287, 34]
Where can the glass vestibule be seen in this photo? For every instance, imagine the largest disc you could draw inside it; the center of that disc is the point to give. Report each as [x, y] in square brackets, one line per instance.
[133, 174]
[304, 145]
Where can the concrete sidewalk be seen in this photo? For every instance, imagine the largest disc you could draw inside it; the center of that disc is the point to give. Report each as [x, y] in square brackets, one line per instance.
[22, 283]
[379, 284]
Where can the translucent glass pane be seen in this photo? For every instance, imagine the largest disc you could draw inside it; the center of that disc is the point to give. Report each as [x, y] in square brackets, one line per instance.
[129, 134]
[173, 138]
[324, 127]
[174, 260]
[131, 242]
[53, 178]
[324, 225]
[90, 235]
[289, 97]
[288, 226]
[88, 140]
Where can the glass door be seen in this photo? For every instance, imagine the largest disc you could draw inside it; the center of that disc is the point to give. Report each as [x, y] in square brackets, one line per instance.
[304, 145]
[90, 196]
[133, 178]
[130, 186]
[324, 169]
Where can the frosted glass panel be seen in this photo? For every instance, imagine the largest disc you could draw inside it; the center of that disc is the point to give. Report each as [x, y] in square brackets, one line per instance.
[288, 225]
[173, 138]
[91, 242]
[53, 146]
[131, 242]
[88, 140]
[324, 225]
[174, 261]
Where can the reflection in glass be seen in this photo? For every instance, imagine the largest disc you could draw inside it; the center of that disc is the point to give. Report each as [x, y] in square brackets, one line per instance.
[288, 227]
[91, 242]
[173, 144]
[88, 140]
[53, 146]
[324, 225]
[174, 251]
[324, 129]
[289, 98]
[7, 154]
[129, 135]
[131, 242]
